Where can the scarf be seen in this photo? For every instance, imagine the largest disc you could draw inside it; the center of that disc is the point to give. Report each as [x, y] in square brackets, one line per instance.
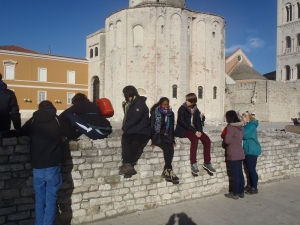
[193, 110]
[126, 106]
[157, 125]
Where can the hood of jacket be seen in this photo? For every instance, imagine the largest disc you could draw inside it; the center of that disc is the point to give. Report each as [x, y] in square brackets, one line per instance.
[238, 125]
[3, 86]
[254, 122]
[44, 115]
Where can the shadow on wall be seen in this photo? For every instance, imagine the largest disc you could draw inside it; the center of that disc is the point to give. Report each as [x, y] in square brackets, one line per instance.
[180, 219]
[64, 201]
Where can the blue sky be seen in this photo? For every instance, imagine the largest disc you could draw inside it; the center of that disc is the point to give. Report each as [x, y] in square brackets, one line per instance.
[64, 25]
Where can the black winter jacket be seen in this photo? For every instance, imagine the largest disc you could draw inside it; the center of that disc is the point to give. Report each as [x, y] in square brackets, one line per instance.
[184, 121]
[45, 130]
[161, 138]
[9, 109]
[137, 118]
[90, 113]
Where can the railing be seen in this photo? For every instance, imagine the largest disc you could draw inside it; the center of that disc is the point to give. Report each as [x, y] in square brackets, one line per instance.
[298, 49]
[287, 50]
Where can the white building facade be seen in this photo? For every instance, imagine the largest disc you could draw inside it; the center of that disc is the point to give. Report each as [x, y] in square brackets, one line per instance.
[288, 40]
[163, 49]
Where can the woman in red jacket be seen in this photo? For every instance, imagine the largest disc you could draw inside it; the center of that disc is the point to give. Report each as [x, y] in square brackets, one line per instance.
[235, 154]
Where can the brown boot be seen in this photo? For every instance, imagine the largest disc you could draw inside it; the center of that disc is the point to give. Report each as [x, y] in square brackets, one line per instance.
[127, 169]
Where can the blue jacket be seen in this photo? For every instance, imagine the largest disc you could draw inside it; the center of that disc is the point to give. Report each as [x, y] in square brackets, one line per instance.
[250, 141]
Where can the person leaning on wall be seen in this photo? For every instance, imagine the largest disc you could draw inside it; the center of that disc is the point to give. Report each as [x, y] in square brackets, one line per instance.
[9, 111]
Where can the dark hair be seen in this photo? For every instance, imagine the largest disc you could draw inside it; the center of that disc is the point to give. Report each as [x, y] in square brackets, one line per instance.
[159, 103]
[232, 117]
[0, 76]
[191, 97]
[45, 104]
[129, 92]
[78, 98]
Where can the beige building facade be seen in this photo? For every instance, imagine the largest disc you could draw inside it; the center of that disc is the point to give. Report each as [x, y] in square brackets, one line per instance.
[35, 77]
[288, 40]
[163, 49]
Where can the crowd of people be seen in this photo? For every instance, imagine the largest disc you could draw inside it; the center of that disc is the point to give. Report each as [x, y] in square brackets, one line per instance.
[47, 131]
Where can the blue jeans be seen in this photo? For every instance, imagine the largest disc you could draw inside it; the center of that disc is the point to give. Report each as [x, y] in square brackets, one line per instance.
[46, 183]
[236, 171]
[251, 161]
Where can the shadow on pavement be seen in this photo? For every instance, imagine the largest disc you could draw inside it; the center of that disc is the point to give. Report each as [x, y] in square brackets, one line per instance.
[180, 219]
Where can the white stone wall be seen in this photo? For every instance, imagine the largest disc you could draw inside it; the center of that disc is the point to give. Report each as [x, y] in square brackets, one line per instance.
[178, 3]
[287, 56]
[179, 47]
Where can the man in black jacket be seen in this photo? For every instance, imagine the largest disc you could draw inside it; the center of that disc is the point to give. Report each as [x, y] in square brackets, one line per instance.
[84, 117]
[45, 131]
[9, 109]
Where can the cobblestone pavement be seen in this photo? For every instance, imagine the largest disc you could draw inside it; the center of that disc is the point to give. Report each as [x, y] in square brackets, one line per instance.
[276, 203]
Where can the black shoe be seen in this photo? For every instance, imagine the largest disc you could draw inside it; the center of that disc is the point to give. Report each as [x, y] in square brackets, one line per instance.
[252, 191]
[242, 195]
[247, 188]
[231, 195]
[127, 169]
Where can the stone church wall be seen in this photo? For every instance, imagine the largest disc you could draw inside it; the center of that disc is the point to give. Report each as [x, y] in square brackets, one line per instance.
[92, 188]
[270, 100]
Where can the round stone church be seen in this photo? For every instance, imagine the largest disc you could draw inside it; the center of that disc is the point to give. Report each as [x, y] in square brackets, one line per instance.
[164, 50]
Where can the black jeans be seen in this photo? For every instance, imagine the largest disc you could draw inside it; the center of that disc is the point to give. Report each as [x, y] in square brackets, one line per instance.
[236, 171]
[131, 143]
[168, 149]
[251, 161]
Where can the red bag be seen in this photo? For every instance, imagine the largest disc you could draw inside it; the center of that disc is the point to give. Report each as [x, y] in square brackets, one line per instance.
[105, 107]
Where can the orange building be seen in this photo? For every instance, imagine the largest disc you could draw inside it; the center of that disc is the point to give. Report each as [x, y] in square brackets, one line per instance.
[35, 77]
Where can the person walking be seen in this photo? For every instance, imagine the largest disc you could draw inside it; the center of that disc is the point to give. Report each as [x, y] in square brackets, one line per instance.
[203, 119]
[136, 128]
[9, 110]
[235, 153]
[162, 135]
[252, 150]
[189, 126]
[45, 130]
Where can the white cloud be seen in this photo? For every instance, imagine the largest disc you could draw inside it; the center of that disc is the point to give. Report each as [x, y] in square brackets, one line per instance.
[252, 43]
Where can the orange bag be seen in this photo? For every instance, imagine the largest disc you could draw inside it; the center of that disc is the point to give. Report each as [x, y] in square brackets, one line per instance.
[105, 107]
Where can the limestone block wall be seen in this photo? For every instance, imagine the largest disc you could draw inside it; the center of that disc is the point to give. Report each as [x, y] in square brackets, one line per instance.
[270, 100]
[92, 188]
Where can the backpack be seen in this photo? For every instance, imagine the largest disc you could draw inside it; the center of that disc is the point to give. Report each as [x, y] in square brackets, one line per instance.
[105, 107]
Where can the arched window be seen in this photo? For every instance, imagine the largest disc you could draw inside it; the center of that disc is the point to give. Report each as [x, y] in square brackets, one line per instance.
[289, 12]
[215, 92]
[96, 51]
[96, 87]
[298, 39]
[298, 4]
[298, 71]
[288, 44]
[138, 35]
[174, 91]
[91, 53]
[287, 72]
[200, 92]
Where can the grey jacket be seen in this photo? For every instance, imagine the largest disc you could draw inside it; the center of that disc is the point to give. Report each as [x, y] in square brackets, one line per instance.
[233, 140]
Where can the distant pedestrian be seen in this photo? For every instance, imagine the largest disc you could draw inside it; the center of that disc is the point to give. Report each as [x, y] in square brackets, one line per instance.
[9, 110]
[162, 135]
[296, 122]
[45, 130]
[136, 128]
[252, 150]
[84, 117]
[235, 154]
[189, 126]
[203, 119]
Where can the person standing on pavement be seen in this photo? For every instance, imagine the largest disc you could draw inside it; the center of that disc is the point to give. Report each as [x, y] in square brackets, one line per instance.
[45, 130]
[203, 119]
[9, 110]
[235, 154]
[136, 128]
[189, 126]
[252, 150]
[162, 135]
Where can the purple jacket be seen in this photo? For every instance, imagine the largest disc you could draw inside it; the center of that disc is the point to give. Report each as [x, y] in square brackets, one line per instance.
[233, 140]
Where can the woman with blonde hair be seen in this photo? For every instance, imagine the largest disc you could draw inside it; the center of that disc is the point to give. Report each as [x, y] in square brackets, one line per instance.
[252, 150]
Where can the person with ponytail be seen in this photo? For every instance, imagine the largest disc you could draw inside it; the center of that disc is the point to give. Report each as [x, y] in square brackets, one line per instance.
[162, 135]
[252, 150]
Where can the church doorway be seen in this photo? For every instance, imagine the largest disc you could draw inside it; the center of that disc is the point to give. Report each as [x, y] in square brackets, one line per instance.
[96, 88]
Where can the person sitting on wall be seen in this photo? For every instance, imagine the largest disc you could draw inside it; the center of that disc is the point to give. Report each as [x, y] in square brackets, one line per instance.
[84, 117]
[296, 122]
[9, 111]
[46, 131]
